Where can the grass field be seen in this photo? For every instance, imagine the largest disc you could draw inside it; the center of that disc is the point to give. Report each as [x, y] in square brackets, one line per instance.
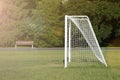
[48, 65]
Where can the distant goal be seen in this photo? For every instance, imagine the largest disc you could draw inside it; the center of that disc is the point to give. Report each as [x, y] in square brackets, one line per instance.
[81, 44]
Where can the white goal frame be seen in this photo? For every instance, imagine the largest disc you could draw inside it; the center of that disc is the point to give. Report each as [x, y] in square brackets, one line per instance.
[67, 46]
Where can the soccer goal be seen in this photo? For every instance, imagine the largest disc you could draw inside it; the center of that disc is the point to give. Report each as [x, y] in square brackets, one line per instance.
[81, 44]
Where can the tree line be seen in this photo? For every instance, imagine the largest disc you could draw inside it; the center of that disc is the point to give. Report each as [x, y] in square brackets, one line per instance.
[42, 21]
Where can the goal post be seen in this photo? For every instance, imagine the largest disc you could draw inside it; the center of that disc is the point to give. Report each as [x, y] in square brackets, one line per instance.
[80, 39]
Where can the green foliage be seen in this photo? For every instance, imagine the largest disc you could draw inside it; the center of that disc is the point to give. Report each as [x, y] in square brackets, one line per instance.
[43, 20]
[48, 14]
[104, 16]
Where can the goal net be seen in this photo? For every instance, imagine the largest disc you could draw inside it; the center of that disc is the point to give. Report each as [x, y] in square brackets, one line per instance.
[81, 44]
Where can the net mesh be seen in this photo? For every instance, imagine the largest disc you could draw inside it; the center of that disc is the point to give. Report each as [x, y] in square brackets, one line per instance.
[80, 50]
[84, 47]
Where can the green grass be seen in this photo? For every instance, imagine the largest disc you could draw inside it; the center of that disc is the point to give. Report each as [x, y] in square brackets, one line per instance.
[48, 65]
